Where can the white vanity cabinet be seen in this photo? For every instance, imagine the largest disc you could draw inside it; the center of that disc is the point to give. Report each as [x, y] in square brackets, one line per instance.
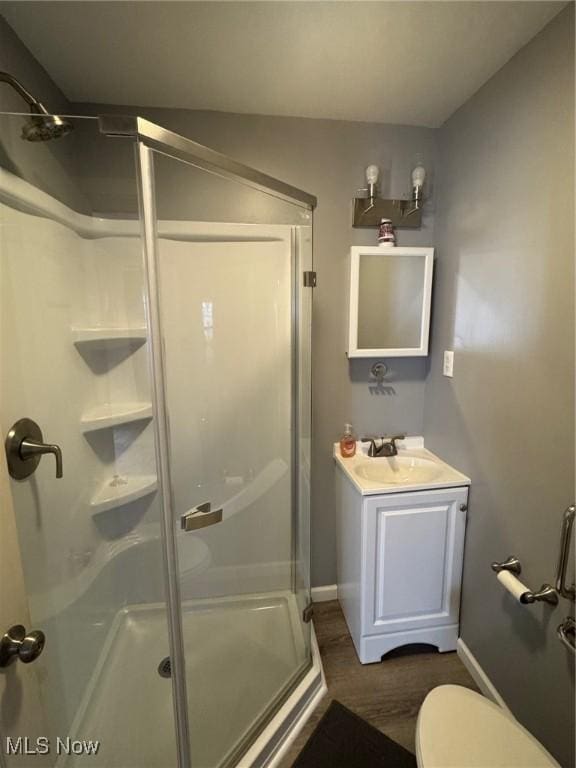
[400, 566]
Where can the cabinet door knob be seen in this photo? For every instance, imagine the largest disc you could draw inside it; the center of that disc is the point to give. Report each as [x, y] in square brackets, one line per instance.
[463, 507]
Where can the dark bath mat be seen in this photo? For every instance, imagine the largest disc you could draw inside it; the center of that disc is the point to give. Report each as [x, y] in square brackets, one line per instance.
[343, 740]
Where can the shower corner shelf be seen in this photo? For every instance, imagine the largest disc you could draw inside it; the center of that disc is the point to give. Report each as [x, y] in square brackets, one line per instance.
[115, 414]
[99, 336]
[130, 488]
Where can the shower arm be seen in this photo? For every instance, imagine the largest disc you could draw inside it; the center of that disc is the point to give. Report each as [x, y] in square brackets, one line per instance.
[36, 107]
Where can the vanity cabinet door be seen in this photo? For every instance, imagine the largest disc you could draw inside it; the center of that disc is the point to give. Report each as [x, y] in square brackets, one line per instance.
[413, 545]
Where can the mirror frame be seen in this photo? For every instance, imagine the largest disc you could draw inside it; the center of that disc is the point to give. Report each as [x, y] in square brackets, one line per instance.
[355, 254]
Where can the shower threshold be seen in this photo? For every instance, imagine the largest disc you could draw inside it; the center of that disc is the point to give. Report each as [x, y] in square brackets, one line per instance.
[241, 654]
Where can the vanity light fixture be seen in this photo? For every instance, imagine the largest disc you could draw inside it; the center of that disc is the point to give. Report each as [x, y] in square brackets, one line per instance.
[418, 179]
[369, 208]
[372, 174]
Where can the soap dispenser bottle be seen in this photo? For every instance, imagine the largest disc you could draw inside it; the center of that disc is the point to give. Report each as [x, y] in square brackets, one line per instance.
[348, 442]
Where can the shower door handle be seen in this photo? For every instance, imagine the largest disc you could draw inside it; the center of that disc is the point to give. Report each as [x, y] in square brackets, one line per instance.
[200, 517]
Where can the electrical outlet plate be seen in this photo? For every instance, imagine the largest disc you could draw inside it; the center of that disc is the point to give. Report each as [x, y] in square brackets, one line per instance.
[448, 367]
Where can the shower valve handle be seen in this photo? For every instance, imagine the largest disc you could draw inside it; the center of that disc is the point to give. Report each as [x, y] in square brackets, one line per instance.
[31, 448]
[25, 447]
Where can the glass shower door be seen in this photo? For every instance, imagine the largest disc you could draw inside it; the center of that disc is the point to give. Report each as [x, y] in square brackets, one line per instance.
[234, 318]
[74, 347]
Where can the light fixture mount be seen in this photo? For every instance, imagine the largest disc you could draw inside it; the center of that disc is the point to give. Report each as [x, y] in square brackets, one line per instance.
[406, 213]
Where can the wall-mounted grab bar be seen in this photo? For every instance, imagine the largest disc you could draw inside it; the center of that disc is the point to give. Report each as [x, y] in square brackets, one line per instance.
[565, 590]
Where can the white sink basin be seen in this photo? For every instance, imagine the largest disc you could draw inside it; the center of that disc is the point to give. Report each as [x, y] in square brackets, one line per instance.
[398, 470]
[413, 469]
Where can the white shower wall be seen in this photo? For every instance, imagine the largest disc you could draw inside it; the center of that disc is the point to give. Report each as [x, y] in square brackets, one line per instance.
[53, 280]
[62, 272]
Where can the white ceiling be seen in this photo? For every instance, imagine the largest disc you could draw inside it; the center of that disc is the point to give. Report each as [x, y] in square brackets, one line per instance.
[401, 62]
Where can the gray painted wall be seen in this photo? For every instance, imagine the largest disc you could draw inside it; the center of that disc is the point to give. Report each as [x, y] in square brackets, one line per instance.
[326, 158]
[504, 302]
[16, 59]
[50, 166]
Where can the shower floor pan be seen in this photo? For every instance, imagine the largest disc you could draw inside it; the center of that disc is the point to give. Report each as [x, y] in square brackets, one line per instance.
[240, 653]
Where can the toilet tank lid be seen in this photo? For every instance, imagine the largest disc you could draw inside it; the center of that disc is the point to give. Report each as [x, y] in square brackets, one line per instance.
[458, 727]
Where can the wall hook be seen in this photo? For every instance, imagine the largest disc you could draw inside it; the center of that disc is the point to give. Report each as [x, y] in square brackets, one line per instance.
[379, 371]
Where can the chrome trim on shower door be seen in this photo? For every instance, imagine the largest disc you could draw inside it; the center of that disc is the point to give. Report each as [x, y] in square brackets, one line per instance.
[157, 137]
[301, 307]
[145, 175]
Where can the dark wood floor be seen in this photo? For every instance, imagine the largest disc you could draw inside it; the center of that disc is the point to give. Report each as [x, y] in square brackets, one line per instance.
[389, 694]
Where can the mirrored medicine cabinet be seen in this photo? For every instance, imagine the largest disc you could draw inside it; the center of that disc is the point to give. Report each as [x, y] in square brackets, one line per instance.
[390, 293]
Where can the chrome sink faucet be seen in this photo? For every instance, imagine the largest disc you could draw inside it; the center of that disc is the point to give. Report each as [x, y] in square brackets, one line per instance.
[386, 447]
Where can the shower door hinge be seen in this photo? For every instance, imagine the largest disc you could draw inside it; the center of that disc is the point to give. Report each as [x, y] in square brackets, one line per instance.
[310, 279]
[307, 613]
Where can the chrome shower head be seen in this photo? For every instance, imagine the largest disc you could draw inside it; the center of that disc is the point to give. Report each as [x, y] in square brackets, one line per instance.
[45, 127]
[42, 126]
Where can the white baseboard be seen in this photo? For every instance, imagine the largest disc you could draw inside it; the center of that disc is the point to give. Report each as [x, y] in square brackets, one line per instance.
[480, 677]
[323, 594]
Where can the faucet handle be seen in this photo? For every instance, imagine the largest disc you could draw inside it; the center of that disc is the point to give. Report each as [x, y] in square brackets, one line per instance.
[393, 440]
[372, 448]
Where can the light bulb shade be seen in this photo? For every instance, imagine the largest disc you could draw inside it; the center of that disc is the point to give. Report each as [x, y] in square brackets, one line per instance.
[372, 173]
[418, 176]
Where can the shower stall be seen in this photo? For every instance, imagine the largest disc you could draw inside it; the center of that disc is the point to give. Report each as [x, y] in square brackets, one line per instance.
[155, 321]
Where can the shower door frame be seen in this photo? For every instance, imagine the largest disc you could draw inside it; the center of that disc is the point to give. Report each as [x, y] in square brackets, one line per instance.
[151, 137]
[156, 137]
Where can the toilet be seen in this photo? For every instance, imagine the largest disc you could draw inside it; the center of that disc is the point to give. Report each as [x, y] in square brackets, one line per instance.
[458, 728]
